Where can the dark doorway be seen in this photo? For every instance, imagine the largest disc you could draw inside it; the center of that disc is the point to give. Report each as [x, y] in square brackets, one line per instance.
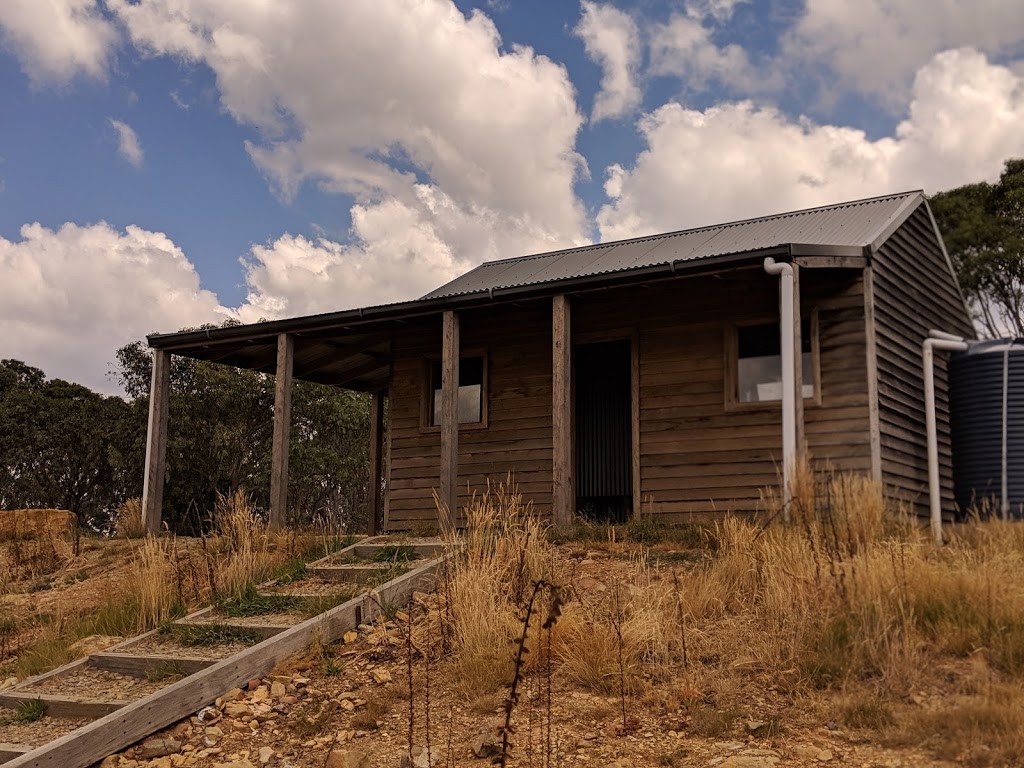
[603, 423]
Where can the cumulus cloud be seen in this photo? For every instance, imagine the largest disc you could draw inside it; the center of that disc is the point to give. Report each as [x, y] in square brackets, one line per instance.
[58, 39]
[127, 142]
[736, 160]
[683, 47]
[398, 253]
[70, 297]
[611, 39]
[411, 107]
[876, 46]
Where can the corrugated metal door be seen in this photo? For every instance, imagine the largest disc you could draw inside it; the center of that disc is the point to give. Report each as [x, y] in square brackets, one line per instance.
[603, 423]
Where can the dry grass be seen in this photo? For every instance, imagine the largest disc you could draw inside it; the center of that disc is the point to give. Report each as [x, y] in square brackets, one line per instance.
[128, 519]
[33, 545]
[973, 731]
[244, 551]
[502, 552]
[167, 577]
[850, 602]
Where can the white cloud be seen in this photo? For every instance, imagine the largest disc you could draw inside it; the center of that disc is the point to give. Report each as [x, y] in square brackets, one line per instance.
[683, 47]
[612, 40]
[407, 106]
[295, 275]
[737, 160]
[876, 46]
[719, 10]
[127, 142]
[70, 297]
[57, 39]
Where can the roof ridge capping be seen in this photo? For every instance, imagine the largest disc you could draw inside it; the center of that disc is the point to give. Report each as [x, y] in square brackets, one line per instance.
[450, 287]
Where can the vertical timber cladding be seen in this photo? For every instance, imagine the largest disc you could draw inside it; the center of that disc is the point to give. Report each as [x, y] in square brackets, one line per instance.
[697, 455]
[515, 341]
[914, 292]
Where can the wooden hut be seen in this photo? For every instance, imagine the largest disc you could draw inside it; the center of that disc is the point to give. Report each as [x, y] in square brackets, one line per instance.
[641, 376]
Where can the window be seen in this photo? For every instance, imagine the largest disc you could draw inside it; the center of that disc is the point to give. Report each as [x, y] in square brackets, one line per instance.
[759, 362]
[471, 391]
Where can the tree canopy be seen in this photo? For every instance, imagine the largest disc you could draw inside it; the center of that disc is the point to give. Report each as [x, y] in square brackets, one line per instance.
[60, 445]
[65, 446]
[983, 227]
[220, 431]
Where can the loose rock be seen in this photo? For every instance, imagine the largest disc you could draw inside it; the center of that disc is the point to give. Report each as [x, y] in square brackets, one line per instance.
[420, 759]
[347, 758]
[485, 744]
[157, 747]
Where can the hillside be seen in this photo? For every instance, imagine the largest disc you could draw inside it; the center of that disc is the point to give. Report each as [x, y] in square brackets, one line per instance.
[844, 639]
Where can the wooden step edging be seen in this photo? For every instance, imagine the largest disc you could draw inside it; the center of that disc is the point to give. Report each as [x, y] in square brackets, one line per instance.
[135, 721]
[261, 631]
[62, 706]
[350, 573]
[142, 666]
[368, 547]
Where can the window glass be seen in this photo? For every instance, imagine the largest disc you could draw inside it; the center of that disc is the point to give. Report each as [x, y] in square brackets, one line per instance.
[471, 391]
[759, 362]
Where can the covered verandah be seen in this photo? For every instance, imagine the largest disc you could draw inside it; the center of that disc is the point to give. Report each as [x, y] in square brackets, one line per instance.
[353, 350]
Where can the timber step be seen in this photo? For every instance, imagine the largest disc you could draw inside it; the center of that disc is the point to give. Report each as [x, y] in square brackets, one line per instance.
[375, 559]
[156, 679]
[69, 707]
[258, 630]
[353, 573]
[148, 665]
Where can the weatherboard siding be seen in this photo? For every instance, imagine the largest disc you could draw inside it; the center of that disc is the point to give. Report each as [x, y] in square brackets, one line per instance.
[697, 456]
[515, 341]
[914, 292]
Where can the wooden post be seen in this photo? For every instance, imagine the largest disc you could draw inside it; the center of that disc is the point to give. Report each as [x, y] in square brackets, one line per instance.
[282, 429]
[798, 365]
[449, 421]
[563, 490]
[156, 443]
[376, 455]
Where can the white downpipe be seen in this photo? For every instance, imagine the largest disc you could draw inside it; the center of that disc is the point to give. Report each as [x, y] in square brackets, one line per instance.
[948, 343]
[787, 331]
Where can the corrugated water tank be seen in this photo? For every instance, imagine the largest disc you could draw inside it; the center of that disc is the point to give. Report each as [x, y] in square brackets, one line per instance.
[986, 402]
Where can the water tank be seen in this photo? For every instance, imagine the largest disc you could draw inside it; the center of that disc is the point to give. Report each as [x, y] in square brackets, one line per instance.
[986, 403]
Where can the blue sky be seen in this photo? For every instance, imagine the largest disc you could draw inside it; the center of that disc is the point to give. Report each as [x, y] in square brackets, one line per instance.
[169, 162]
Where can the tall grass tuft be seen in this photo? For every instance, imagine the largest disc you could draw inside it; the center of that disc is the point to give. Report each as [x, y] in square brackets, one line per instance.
[128, 519]
[243, 551]
[501, 554]
[154, 585]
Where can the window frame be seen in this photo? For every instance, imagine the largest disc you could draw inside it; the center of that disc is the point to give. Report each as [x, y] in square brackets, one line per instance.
[427, 391]
[732, 350]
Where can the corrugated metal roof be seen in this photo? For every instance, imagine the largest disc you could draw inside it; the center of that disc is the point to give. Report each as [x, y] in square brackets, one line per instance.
[854, 224]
